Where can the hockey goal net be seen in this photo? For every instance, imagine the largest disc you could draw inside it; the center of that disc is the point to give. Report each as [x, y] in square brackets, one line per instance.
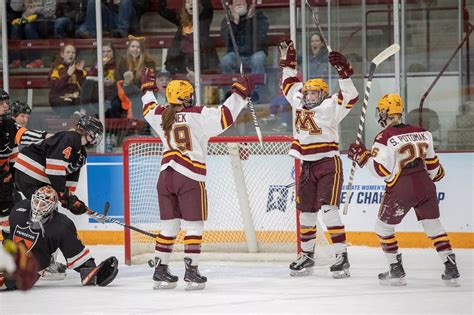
[251, 197]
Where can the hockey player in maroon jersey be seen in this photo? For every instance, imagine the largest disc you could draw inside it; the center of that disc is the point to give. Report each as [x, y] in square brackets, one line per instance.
[185, 130]
[39, 226]
[316, 143]
[404, 157]
[17, 265]
[11, 136]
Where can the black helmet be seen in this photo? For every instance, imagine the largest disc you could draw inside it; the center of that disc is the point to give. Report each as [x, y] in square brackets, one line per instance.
[92, 126]
[4, 95]
[18, 107]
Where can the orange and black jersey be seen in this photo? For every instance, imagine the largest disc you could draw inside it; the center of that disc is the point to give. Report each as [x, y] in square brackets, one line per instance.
[59, 233]
[56, 161]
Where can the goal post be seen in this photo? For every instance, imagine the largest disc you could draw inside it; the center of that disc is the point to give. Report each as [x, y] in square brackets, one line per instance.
[250, 189]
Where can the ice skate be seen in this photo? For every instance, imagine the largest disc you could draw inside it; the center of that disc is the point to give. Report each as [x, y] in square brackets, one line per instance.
[55, 271]
[451, 273]
[303, 265]
[194, 280]
[395, 276]
[340, 269]
[162, 277]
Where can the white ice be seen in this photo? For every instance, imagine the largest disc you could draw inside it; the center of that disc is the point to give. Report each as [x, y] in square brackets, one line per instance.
[257, 288]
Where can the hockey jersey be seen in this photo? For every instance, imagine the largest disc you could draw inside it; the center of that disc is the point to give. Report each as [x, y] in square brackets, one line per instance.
[59, 233]
[397, 146]
[192, 129]
[56, 161]
[316, 135]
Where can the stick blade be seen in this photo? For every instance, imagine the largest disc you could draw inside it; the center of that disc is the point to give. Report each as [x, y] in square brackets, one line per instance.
[385, 54]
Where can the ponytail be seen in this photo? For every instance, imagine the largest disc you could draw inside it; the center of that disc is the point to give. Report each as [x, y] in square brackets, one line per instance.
[168, 120]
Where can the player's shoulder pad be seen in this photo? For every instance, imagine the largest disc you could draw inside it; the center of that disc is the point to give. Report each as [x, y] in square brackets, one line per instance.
[69, 138]
[63, 220]
[382, 137]
[194, 109]
[22, 206]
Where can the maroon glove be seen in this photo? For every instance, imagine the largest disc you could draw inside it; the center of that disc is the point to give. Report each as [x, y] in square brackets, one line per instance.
[287, 54]
[26, 273]
[244, 86]
[149, 80]
[359, 154]
[339, 61]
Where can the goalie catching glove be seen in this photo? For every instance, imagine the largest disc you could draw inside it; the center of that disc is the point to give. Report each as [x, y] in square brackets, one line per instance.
[339, 61]
[72, 203]
[244, 86]
[359, 154]
[149, 80]
[100, 275]
[287, 54]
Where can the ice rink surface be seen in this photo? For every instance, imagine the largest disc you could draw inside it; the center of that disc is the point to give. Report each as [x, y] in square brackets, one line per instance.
[258, 288]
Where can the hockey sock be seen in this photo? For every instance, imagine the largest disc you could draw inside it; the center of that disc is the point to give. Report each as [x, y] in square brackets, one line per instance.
[193, 240]
[308, 230]
[388, 241]
[437, 234]
[333, 222]
[165, 240]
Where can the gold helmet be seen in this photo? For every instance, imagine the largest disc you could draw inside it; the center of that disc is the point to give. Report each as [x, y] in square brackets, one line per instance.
[389, 104]
[318, 85]
[179, 92]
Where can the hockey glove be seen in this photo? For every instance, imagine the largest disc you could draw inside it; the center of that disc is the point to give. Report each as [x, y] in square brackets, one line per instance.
[26, 273]
[339, 61]
[73, 204]
[287, 54]
[359, 154]
[149, 80]
[244, 86]
[100, 275]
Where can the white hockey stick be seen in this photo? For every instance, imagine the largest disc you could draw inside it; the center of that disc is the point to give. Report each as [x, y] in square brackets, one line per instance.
[225, 6]
[384, 55]
[316, 22]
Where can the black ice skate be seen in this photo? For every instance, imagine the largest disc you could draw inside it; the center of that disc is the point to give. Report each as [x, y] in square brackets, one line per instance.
[303, 265]
[451, 273]
[340, 269]
[194, 280]
[163, 278]
[395, 276]
[55, 271]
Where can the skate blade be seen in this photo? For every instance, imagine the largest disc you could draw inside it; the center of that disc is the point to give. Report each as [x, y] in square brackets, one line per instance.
[452, 282]
[163, 285]
[302, 273]
[398, 282]
[342, 274]
[193, 286]
[48, 276]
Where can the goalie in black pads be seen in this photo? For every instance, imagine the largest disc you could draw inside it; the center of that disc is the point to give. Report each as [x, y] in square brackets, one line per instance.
[42, 229]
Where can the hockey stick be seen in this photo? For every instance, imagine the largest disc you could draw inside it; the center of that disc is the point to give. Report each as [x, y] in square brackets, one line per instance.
[101, 218]
[320, 30]
[381, 57]
[225, 6]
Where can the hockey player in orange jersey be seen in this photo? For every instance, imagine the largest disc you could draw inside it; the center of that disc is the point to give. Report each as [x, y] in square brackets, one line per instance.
[316, 143]
[404, 157]
[185, 130]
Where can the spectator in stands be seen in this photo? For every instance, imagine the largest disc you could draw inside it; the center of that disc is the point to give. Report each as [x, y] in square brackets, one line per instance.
[65, 80]
[180, 58]
[279, 104]
[70, 14]
[120, 17]
[36, 19]
[163, 77]
[130, 71]
[250, 27]
[89, 94]
[318, 58]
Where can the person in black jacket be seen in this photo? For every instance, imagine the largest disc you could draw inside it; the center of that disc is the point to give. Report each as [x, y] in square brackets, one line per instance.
[180, 57]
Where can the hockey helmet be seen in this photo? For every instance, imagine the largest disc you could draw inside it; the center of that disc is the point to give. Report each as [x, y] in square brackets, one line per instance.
[180, 92]
[317, 85]
[389, 104]
[92, 126]
[18, 107]
[44, 202]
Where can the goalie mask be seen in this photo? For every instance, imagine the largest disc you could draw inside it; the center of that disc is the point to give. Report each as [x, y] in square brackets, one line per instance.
[180, 92]
[93, 127]
[388, 105]
[44, 202]
[314, 92]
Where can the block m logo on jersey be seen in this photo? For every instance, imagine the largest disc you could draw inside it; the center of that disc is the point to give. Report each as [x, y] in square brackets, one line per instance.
[26, 236]
[305, 121]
